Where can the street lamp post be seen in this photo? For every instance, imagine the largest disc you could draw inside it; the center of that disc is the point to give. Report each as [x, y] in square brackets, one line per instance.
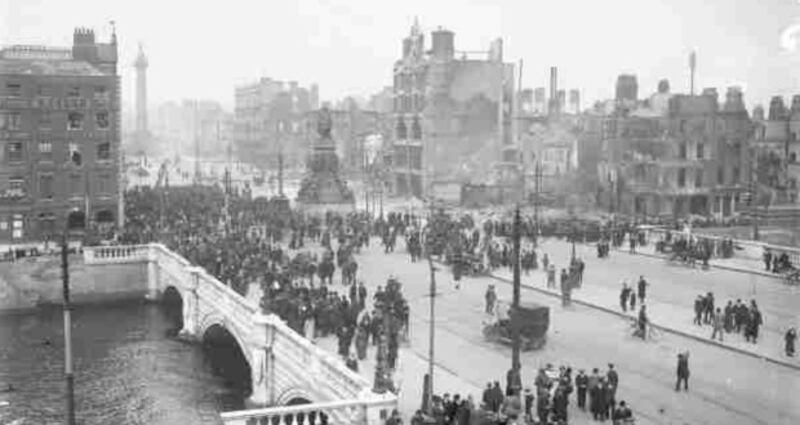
[514, 377]
[68, 374]
[431, 333]
[574, 236]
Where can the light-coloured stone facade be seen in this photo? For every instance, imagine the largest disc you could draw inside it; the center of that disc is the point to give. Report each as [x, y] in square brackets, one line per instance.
[284, 365]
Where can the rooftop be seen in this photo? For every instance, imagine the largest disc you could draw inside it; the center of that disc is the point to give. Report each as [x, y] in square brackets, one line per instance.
[42, 60]
[47, 67]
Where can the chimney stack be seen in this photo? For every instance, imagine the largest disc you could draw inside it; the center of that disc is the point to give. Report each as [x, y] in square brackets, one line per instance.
[553, 106]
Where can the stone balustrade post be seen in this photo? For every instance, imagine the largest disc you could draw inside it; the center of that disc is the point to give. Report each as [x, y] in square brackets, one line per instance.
[263, 369]
[152, 273]
[191, 303]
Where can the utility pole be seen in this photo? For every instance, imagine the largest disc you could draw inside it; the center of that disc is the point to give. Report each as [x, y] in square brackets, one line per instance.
[279, 137]
[514, 376]
[537, 184]
[431, 328]
[196, 147]
[68, 375]
[753, 197]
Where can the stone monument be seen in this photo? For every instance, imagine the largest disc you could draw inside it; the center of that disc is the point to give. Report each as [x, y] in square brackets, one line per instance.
[323, 189]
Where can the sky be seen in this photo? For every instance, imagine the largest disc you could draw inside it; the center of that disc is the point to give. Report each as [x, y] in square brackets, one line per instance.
[203, 49]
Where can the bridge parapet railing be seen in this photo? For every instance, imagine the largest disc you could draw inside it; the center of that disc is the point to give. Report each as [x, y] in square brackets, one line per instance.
[329, 368]
[369, 411]
[115, 254]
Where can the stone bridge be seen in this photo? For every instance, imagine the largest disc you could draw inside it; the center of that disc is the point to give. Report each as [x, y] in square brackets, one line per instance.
[285, 367]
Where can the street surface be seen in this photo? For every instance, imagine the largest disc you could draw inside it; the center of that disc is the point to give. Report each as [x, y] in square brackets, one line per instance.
[725, 387]
[674, 287]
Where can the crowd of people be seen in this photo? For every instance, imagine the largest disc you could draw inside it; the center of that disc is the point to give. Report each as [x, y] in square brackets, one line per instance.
[736, 318]
[544, 402]
[292, 258]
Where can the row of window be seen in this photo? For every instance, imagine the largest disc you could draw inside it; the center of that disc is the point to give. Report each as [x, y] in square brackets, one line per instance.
[17, 186]
[699, 174]
[15, 152]
[75, 120]
[402, 130]
[15, 89]
[409, 103]
[700, 151]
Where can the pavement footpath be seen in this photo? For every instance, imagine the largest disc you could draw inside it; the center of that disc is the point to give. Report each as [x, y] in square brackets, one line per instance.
[664, 316]
[736, 264]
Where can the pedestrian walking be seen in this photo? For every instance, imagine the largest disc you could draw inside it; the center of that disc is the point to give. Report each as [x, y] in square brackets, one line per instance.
[491, 298]
[718, 323]
[708, 312]
[789, 339]
[623, 296]
[699, 306]
[641, 289]
[633, 300]
[683, 371]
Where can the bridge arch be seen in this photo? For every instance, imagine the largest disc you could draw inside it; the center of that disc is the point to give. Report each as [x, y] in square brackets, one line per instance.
[293, 397]
[228, 353]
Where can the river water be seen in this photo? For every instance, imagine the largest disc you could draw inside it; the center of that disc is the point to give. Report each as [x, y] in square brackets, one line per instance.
[128, 369]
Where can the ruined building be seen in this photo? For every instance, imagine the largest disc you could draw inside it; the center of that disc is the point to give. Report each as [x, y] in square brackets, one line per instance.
[674, 154]
[452, 111]
[269, 120]
[778, 149]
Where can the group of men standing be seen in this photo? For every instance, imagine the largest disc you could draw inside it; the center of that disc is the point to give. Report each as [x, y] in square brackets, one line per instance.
[738, 318]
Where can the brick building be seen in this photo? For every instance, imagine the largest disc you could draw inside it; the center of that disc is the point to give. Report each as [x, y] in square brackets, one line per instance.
[673, 155]
[268, 119]
[452, 112]
[60, 131]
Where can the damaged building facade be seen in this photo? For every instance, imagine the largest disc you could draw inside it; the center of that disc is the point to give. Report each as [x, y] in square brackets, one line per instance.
[452, 112]
[674, 155]
[778, 149]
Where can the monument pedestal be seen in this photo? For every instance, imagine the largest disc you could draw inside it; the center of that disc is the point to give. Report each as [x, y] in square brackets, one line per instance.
[323, 189]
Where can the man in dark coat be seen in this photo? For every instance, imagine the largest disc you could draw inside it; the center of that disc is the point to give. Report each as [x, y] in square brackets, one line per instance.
[789, 339]
[497, 397]
[613, 380]
[596, 400]
[487, 395]
[641, 289]
[683, 371]
[699, 306]
[543, 406]
[582, 384]
[755, 321]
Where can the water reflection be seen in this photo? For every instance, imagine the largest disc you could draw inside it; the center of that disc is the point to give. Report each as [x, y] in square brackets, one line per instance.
[128, 369]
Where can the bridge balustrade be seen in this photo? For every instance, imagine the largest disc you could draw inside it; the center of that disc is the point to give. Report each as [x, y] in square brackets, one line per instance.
[285, 366]
[358, 411]
[115, 254]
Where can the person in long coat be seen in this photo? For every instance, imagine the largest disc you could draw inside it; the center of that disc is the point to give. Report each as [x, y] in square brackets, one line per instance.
[362, 338]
